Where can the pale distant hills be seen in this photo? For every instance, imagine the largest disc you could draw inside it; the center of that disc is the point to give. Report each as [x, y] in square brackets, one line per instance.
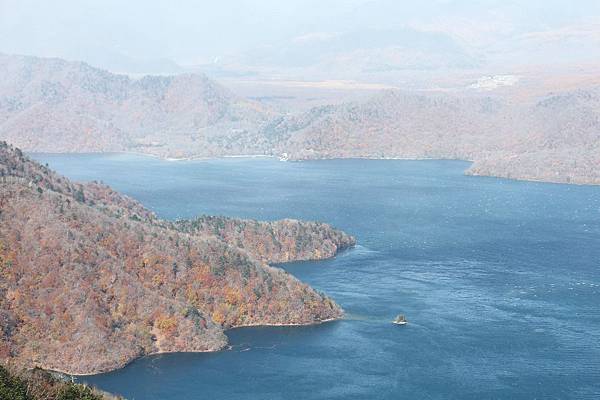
[51, 105]
[349, 55]
[58, 106]
[553, 138]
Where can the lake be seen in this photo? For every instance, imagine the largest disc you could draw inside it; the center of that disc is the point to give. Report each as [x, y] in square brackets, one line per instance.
[499, 279]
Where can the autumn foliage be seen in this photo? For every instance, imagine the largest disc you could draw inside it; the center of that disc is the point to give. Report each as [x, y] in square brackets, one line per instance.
[90, 281]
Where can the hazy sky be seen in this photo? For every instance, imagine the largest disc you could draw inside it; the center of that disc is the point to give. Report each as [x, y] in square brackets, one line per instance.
[193, 32]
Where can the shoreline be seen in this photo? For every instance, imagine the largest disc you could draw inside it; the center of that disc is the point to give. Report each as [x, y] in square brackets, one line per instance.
[190, 158]
[465, 172]
[316, 323]
[225, 347]
[267, 156]
[532, 180]
[249, 156]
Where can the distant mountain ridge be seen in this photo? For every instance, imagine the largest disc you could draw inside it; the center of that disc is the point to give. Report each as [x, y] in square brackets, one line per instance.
[50, 105]
[556, 138]
[90, 279]
[355, 54]
[59, 106]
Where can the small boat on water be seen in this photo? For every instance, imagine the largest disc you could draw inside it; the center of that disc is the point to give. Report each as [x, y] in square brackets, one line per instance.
[400, 320]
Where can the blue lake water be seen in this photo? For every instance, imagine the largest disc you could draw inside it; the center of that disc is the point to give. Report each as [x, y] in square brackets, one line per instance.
[499, 279]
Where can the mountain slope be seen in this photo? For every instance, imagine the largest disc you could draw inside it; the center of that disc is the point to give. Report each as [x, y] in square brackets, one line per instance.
[556, 138]
[57, 106]
[87, 285]
[16, 384]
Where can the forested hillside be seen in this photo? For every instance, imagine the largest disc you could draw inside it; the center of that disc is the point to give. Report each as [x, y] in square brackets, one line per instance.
[36, 384]
[553, 138]
[58, 106]
[90, 280]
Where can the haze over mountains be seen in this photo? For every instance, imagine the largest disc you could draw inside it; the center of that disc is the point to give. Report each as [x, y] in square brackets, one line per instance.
[552, 138]
[54, 105]
[91, 279]
[510, 85]
[359, 39]
[50, 105]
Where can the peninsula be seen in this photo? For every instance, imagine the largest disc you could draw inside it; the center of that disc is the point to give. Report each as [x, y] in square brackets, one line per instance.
[91, 280]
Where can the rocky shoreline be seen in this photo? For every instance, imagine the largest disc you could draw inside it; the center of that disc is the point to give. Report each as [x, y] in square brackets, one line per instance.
[66, 373]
